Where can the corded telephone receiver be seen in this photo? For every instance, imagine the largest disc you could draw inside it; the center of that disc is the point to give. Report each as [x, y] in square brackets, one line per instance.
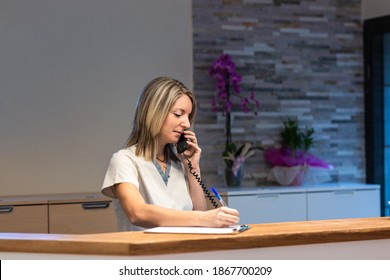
[181, 147]
[182, 144]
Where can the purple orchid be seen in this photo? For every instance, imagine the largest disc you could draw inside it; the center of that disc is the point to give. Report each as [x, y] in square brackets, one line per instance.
[228, 86]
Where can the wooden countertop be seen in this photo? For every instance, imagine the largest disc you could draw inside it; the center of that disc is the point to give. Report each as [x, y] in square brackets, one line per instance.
[141, 243]
[52, 199]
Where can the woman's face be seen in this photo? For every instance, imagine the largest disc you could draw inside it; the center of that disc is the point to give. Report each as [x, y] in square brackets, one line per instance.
[176, 121]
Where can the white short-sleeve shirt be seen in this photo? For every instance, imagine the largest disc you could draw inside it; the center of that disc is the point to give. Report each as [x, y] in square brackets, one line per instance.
[126, 167]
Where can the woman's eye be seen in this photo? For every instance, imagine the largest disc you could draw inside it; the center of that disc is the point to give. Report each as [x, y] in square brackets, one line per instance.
[177, 115]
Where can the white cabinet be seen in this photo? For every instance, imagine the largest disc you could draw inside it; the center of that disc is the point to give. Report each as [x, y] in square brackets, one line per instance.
[342, 204]
[283, 204]
[271, 207]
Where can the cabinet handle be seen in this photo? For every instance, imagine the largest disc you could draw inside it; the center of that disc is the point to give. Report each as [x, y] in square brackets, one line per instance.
[268, 196]
[95, 205]
[6, 209]
[345, 193]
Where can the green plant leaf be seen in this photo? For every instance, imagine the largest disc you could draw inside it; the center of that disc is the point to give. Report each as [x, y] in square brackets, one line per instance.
[293, 138]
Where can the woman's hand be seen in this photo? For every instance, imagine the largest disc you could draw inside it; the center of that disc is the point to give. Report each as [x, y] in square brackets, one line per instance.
[194, 151]
[221, 217]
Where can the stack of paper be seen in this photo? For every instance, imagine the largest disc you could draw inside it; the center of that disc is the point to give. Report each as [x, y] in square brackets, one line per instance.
[200, 230]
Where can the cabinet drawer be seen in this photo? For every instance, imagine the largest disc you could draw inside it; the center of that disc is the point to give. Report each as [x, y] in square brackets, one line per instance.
[87, 217]
[24, 218]
[343, 204]
[268, 208]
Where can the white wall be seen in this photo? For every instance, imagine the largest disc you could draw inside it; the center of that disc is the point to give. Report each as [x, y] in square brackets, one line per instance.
[375, 8]
[70, 74]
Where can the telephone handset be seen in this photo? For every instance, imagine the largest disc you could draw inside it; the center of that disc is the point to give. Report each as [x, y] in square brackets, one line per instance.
[182, 144]
[181, 147]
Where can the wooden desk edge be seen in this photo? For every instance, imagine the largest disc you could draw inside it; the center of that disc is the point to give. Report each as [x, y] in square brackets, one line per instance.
[140, 243]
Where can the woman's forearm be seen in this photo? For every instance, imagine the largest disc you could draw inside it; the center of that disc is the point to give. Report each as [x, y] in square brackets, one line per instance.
[196, 191]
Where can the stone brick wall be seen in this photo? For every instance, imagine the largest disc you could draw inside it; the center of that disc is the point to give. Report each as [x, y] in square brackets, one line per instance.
[304, 59]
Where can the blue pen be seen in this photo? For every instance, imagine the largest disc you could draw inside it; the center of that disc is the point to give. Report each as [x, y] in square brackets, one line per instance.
[219, 197]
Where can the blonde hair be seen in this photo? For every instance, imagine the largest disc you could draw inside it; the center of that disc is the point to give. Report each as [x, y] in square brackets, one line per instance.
[153, 106]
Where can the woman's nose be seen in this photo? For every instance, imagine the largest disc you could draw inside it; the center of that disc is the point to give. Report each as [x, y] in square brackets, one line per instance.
[186, 123]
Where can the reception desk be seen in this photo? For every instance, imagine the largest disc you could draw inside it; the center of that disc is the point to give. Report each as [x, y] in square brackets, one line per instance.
[366, 238]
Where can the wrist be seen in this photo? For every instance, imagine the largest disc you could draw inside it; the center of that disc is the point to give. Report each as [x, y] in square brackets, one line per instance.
[199, 218]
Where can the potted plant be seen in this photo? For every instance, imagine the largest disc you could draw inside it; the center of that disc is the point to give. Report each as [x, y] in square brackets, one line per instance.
[291, 161]
[228, 90]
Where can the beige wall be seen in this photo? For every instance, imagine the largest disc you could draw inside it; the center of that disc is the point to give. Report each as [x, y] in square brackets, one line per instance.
[70, 74]
[375, 8]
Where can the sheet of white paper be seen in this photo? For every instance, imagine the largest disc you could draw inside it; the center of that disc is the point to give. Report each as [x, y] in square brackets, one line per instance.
[200, 230]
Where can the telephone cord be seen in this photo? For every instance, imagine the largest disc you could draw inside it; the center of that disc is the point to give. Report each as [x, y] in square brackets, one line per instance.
[199, 180]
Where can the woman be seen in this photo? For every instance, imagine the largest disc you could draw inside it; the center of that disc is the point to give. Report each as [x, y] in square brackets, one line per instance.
[151, 184]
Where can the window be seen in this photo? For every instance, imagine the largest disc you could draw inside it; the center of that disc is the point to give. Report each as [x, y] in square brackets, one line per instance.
[377, 105]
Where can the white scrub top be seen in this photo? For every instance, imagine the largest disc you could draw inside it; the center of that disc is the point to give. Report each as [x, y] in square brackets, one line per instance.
[126, 167]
